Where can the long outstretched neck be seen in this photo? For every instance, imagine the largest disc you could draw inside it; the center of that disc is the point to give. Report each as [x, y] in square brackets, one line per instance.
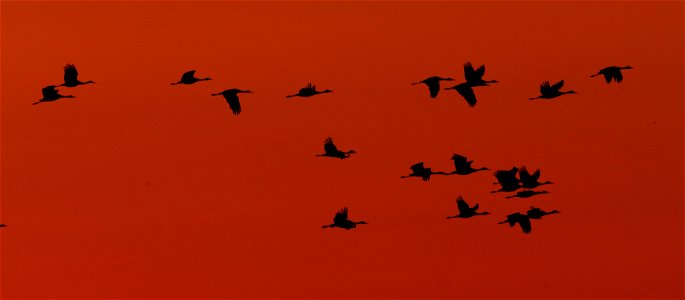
[39, 102]
[452, 217]
[594, 75]
[328, 226]
[87, 82]
[290, 96]
[207, 78]
[538, 97]
[175, 83]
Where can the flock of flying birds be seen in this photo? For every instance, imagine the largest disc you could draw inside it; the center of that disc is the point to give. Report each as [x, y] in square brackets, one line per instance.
[523, 185]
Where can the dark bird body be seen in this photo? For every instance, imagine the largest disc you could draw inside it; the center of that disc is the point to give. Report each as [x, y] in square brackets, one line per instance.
[418, 170]
[189, 78]
[548, 91]
[518, 218]
[529, 181]
[71, 77]
[232, 99]
[527, 194]
[612, 73]
[507, 179]
[466, 211]
[433, 84]
[308, 91]
[462, 166]
[330, 150]
[536, 213]
[50, 93]
[3, 225]
[341, 220]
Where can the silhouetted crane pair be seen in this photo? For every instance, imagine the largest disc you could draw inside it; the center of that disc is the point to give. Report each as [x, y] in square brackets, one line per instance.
[51, 93]
[509, 182]
[474, 78]
[523, 220]
[462, 166]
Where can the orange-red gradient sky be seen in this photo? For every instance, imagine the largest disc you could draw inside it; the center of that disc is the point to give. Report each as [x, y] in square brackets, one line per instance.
[140, 189]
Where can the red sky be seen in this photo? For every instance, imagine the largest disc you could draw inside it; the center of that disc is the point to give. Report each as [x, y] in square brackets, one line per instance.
[139, 189]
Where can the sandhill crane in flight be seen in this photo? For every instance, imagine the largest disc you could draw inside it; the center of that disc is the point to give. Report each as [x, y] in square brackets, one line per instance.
[51, 93]
[418, 170]
[466, 211]
[71, 77]
[507, 179]
[529, 181]
[475, 77]
[522, 220]
[189, 78]
[231, 97]
[466, 91]
[332, 151]
[612, 73]
[308, 91]
[548, 91]
[462, 166]
[341, 220]
[3, 225]
[536, 213]
[526, 194]
[433, 84]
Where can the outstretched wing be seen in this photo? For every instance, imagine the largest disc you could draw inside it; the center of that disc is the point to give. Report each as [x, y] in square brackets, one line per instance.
[545, 88]
[70, 74]
[469, 73]
[607, 77]
[188, 76]
[466, 91]
[328, 146]
[433, 88]
[233, 103]
[49, 91]
[308, 88]
[557, 86]
[459, 161]
[340, 216]
[536, 175]
[462, 205]
[480, 71]
[524, 222]
[618, 76]
[417, 167]
[524, 175]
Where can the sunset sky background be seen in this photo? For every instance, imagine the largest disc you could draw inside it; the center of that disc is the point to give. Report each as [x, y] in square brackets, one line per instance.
[140, 189]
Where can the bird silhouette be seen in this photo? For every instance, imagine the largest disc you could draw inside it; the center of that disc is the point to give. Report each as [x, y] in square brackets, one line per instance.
[71, 77]
[530, 181]
[548, 91]
[189, 78]
[466, 211]
[341, 220]
[536, 213]
[462, 166]
[418, 170]
[466, 91]
[475, 77]
[3, 225]
[332, 151]
[51, 93]
[308, 91]
[526, 194]
[433, 84]
[231, 97]
[612, 73]
[507, 179]
[522, 220]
